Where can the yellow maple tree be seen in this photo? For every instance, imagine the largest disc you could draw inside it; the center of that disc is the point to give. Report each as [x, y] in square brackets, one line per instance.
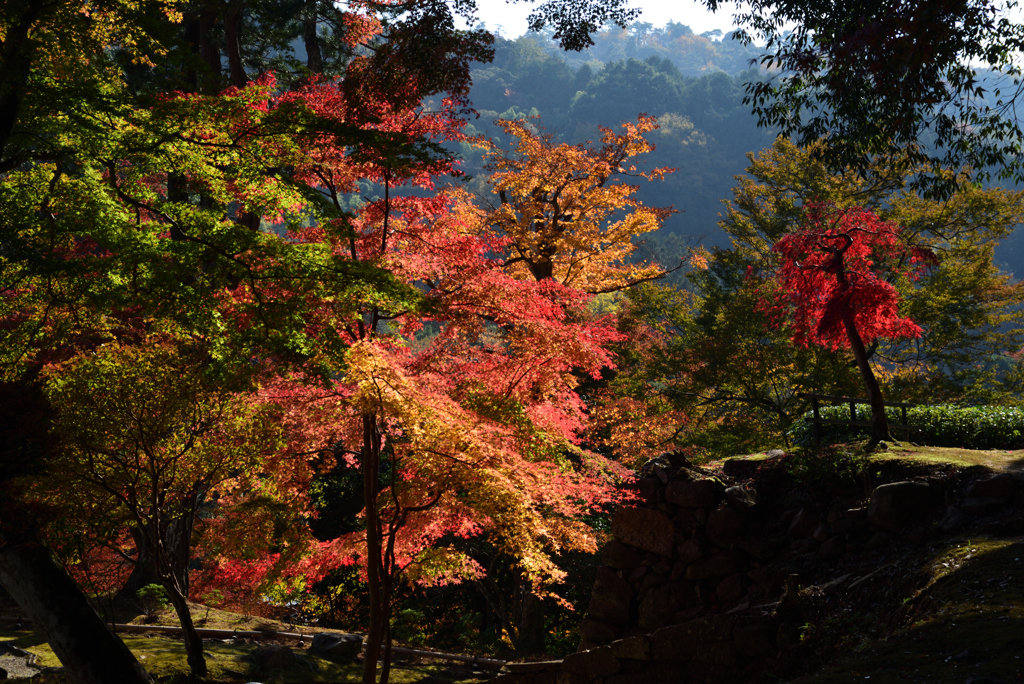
[567, 210]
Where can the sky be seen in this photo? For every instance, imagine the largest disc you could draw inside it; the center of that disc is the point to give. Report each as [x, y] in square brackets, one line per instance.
[511, 17]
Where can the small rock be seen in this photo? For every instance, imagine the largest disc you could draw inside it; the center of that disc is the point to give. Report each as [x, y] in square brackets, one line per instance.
[718, 565]
[597, 631]
[832, 549]
[879, 540]
[725, 525]
[845, 525]
[690, 551]
[611, 597]
[968, 655]
[821, 533]
[730, 589]
[272, 656]
[659, 606]
[342, 648]
[644, 528]
[952, 521]
[895, 506]
[696, 494]
[803, 525]
[743, 498]
[621, 556]
[648, 488]
[758, 548]
[999, 486]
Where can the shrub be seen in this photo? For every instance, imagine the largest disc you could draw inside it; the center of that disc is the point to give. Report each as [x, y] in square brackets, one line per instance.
[965, 427]
[152, 599]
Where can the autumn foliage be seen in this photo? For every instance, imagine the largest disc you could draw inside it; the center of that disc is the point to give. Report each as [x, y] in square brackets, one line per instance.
[833, 279]
[839, 266]
[565, 210]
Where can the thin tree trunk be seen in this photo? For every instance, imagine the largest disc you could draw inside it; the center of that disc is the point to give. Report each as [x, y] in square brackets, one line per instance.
[531, 622]
[374, 569]
[193, 643]
[314, 58]
[210, 52]
[89, 651]
[232, 19]
[18, 50]
[879, 422]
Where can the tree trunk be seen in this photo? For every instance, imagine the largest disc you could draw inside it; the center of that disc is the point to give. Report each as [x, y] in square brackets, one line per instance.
[232, 19]
[177, 540]
[18, 50]
[879, 422]
[210, 52]
[89, 651]
[173, 544]
[193, 643]
[314, 59]
[531, 622]
[374, 569]
[144, 571]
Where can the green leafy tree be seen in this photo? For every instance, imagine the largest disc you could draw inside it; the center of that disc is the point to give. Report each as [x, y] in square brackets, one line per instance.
[931, 83]
[151, 429]
[714, 354]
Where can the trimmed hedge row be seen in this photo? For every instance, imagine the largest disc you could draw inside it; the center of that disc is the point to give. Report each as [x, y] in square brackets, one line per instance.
[965, 427]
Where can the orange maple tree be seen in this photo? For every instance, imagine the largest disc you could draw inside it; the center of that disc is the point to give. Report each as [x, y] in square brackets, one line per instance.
[566, 210]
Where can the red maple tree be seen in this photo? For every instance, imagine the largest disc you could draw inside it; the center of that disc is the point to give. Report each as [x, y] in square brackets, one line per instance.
[836, 274]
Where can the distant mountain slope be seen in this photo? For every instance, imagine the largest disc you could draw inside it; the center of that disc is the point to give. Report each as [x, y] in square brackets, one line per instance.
[694, 84]
[669, 73]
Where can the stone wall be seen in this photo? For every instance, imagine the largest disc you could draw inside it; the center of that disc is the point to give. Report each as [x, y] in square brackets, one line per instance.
[687, 548]
[701, 581]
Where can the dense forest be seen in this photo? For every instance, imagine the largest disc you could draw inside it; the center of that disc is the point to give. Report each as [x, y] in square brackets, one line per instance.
[345, 315]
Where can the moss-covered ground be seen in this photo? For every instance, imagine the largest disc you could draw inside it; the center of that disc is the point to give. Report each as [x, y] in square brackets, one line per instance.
[961, 620]
[227, 660]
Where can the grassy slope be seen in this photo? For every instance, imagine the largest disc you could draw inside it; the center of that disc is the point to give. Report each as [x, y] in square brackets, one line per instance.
[951, 610]
[964, 620]
[165, 660]
[164, 657]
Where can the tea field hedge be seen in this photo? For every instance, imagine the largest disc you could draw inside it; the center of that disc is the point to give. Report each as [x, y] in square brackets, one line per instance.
[965, 427]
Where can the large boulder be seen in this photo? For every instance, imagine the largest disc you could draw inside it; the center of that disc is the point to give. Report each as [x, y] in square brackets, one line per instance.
[272, 656]
[611, 597]
[725, 525]
[715, 565]
[341, 648]
[999, 486]
[621, 556]
[743, 497]
[803, 524]
[598, 632]
[695, 494]
[898, 505]
[644, 528]
[657, 609]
